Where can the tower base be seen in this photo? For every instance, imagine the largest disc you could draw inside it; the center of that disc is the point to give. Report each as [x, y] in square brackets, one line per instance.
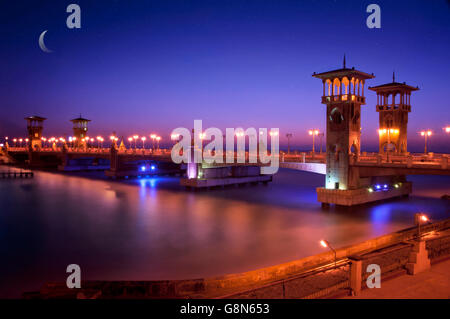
[351, 197]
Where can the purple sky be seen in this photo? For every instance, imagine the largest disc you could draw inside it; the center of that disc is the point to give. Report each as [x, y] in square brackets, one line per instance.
[151, 66]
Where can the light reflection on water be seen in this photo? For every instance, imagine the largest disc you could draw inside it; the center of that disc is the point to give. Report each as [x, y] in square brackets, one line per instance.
[150, 228]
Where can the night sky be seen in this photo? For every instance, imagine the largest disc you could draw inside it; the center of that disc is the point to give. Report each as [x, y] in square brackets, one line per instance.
[151, 66]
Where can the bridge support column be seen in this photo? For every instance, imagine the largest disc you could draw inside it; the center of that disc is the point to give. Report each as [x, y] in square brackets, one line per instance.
[192, 170]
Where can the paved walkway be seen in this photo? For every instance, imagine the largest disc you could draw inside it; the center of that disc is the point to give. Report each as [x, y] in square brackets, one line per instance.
[431, 284]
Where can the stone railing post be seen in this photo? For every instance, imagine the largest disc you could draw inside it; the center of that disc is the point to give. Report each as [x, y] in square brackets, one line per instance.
[379, 159]
[444, 162]
[303, 157]
[409, 161]
[355, 275]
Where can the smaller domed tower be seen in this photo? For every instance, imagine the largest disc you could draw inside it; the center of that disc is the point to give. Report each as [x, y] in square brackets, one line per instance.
[35, 126]
[80, 129]
[393, 105]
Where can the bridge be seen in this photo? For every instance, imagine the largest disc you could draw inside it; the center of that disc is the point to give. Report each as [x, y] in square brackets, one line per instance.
[120, 162]
[352, 177]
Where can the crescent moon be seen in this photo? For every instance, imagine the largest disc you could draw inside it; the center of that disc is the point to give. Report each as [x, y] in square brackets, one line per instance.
[42, 44]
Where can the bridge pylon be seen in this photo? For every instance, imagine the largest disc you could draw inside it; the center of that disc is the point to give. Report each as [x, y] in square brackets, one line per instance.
[35, 126]
[349, 180]
[393, 115]
[343, 94]
[80, 129]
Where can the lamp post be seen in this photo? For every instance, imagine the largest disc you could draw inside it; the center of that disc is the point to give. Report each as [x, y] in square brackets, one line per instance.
[130, 141]
[135, 137]
[100, 140]
[202, 137]
[326, 244]
[143, 138]
[426, 134]
[158, 138]
[419, 219]
[174, 137]
[313, 133]
[321, 135]
[239, 150]
[289, 136]
[153, 137]
[272, 133]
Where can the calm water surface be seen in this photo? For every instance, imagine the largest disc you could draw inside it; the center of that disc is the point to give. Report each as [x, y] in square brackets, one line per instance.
[152, 229]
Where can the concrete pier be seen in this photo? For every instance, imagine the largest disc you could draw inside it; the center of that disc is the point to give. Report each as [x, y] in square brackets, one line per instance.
[221, 176]
[213, 182]
[350, 197]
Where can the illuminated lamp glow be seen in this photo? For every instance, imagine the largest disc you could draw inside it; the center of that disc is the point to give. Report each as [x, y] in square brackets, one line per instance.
[143, 168]
[323, 243]
[385, 186]
[153, 167]
[378, 186]
[370, 189]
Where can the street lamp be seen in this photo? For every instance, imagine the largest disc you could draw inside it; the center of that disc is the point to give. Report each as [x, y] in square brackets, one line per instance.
[321, 135]
[313, 133]
[153, 137]
[447, 129]
[326, 244]
[289, 136]
[174, 137]
[100, 141]
[420, 218]
[426, 134]
[143, 138]
[158, 138]
[135, 137]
